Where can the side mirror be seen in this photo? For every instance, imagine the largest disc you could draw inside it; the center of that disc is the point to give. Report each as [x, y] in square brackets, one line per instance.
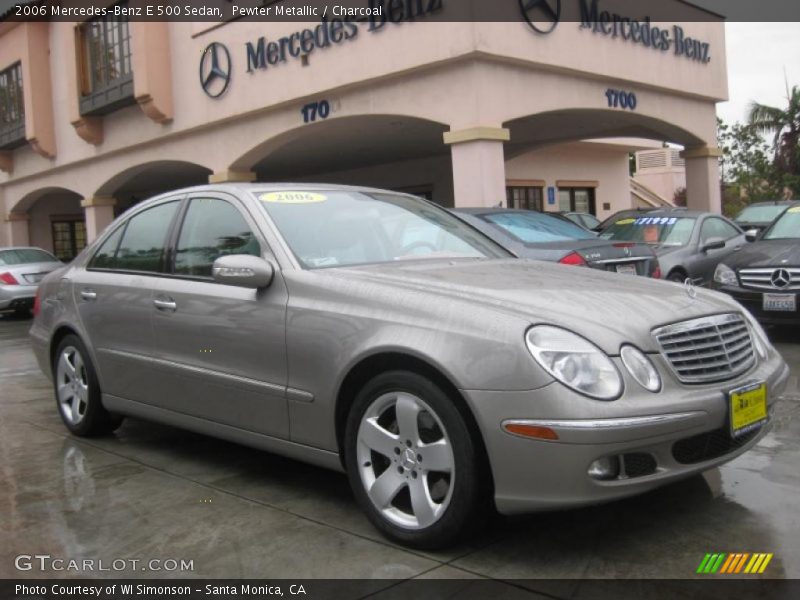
[751, 235]
[713, 244]
[243, 270]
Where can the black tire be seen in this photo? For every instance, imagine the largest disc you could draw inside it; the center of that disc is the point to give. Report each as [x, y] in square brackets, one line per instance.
[94, 419]
[468, 506]
[677, 276]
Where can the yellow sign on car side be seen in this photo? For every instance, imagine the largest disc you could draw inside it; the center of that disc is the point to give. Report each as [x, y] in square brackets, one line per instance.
[293, 197]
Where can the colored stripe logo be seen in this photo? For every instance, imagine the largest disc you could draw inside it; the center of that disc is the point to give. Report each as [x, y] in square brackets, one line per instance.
[735, 562]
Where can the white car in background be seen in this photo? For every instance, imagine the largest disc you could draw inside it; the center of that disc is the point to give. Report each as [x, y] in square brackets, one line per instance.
[21, 270]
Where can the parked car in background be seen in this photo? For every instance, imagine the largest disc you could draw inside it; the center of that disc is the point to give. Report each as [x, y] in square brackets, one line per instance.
[21, 270]
[760, 215]
[375, 333]
[531, 234]
[689, 244]
[765, 275]
[585, 220]
[623, 214]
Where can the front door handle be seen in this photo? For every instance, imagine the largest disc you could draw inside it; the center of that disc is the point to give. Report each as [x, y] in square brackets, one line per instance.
[165, 304]
[88, 295]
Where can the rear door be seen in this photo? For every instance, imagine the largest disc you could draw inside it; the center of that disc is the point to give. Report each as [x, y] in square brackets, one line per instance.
[114, 298]
[220, 349]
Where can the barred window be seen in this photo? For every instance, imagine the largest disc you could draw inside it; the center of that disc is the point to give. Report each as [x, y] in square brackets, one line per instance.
[106, 72]
[12, 108]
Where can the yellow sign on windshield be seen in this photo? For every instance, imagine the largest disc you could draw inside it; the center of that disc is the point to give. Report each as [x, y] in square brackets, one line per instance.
[293, 197]
[625, 221]
[794, 209]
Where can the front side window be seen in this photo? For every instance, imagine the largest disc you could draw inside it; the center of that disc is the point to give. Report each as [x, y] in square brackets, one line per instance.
[12, 107]
[718, 229]
[787, 227]
[537, 228]
[212, 228]
[668, 231]
[143, 242]
[340, 228]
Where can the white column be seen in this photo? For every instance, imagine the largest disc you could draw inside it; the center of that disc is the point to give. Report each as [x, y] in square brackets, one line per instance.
[479, 168]
[703, 178]
[99, 212]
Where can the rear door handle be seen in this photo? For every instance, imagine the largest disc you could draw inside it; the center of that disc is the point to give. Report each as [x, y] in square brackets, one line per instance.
[165, 304]
[88, 295]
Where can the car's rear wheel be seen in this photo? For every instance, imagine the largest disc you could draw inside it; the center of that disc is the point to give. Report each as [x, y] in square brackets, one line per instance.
[413, 463]
[77, 390]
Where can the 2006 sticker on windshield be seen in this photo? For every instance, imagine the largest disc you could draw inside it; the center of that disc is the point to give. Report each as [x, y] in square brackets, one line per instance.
[293, 197]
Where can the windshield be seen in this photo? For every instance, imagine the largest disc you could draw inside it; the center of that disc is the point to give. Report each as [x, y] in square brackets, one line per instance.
[669, 231]
[341, 228]
[537, 227]
[21, 256]
[786, 227]
[759, 214]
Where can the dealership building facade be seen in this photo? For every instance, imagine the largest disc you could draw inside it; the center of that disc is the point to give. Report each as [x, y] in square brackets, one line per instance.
[529, 112]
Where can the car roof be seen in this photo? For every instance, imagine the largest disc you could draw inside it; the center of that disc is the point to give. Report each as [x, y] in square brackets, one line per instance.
[282, 186]
[23, 248]
[771, 203]
[489, 210]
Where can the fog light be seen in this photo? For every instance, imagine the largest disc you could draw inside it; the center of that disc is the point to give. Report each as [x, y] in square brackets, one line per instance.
[604, 468]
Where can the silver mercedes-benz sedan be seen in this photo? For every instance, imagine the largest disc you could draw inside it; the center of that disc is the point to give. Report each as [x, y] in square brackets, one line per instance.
[375, 333]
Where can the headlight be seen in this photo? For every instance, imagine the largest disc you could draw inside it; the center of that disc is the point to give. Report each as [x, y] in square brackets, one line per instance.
[574, 361]
[725, 275]
[641, 368]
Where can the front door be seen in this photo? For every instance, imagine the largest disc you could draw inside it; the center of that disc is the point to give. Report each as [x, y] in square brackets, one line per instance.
[220, 350]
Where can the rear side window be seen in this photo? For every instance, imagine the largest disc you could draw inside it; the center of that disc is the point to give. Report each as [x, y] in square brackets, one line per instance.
[212, 228]
[537, 228]
[142, 245]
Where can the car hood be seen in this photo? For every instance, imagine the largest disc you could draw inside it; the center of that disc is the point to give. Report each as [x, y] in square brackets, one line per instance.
[766, 253]
[604, 307]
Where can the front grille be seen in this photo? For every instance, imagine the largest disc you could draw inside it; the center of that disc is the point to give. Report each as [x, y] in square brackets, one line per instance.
[709, 445]
[639, 464]
[707, 349]
[762, 279]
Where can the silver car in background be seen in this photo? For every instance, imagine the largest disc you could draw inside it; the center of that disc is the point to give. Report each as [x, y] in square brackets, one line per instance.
[21, 270]
[688, 244]
[375, 333]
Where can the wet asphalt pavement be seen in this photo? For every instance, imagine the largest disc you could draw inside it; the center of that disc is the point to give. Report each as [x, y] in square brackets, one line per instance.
[155, 492]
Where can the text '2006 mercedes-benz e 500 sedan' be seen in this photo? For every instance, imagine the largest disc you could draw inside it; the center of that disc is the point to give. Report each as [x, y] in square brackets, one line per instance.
[375, 333]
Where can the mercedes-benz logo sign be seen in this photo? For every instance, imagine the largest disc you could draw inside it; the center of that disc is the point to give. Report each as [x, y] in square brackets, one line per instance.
[215, 69]
[541, 15]
[781, 278]
[688, 285]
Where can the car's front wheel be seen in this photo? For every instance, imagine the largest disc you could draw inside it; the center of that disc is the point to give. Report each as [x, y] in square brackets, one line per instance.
[78, 392]
[413, 464]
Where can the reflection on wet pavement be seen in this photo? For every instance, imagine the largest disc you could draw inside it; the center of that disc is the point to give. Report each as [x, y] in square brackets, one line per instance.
[154, 492]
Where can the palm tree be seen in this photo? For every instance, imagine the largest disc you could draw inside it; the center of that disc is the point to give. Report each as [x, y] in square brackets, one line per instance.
[784, 124]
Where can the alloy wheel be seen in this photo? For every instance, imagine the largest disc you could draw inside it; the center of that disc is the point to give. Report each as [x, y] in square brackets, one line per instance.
[405, 460]
[72, 385]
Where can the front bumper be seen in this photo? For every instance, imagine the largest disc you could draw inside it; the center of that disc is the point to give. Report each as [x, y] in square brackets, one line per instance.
[752, 300]
[659, 438]
[13, 297]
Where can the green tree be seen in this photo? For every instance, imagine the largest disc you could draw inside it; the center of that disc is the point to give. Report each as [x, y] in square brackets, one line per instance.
[746, 164]
[783, 124]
